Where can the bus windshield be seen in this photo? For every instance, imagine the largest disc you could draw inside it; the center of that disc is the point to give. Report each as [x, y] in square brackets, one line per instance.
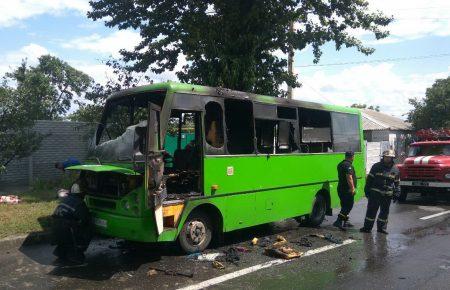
[428, 150]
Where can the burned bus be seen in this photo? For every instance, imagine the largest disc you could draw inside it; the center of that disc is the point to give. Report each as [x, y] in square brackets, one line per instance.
[251, 159]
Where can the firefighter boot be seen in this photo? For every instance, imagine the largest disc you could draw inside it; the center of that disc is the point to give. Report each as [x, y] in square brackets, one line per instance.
[339, 223]
[381, 226]
[348, 224]
[368, 225]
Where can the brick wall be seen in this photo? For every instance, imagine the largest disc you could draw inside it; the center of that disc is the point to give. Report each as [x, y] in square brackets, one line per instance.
[62, 140]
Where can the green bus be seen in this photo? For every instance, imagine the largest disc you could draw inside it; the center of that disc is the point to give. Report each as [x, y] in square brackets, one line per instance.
[251, 159]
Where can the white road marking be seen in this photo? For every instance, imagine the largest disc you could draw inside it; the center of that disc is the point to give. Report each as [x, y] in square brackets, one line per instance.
[229, 276]
[435, 215]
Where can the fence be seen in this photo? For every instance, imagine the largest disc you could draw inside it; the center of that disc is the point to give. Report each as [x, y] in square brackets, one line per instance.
[62, 140]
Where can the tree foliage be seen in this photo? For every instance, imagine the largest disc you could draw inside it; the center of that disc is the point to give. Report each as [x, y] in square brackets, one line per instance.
[434, 110]
[17, 140]
[28, 93]
[91, 107]
[232, 43]
[364, 106]
[49, 88]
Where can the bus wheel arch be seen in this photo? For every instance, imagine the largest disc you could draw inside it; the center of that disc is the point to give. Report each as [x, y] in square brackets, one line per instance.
[203, 226]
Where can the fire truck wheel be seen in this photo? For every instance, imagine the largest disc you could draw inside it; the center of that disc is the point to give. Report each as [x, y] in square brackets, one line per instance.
[403, 195]
[196, 233]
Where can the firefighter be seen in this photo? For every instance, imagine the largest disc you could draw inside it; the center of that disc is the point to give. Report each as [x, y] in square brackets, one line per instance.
[346, 190]
[381, 186]
[71, 226]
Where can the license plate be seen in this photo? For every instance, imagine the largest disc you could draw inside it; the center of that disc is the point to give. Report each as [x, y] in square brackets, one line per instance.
[420, 183]
[101, 222]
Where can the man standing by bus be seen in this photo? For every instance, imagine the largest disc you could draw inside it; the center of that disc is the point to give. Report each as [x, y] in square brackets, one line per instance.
[346, 190]
[381, 186]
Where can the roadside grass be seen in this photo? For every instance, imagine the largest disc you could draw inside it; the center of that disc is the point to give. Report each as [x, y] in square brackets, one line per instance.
[25, 217]
[33, 214]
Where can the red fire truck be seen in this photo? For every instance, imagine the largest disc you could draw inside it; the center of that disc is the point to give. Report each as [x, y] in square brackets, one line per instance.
[426, 170]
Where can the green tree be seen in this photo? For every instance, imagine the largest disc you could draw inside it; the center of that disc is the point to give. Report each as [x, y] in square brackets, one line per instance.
[17, 140]
[364, 106]
[28, 93]
[49, 88]
[91, 106]
[231, 43]
[434, 110]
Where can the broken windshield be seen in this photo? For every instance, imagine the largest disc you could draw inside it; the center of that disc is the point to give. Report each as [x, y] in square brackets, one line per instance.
[121, 136]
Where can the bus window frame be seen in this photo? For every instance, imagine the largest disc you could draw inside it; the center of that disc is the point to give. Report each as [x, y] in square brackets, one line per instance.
[208, 149]
[259, 113]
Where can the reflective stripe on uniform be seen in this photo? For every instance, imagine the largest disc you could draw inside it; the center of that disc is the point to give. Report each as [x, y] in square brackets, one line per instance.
[370, 174]
[369, 219]
[67, 206]
[382, 220]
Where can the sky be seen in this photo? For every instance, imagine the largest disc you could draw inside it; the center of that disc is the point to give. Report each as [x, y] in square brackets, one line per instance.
[396, 72]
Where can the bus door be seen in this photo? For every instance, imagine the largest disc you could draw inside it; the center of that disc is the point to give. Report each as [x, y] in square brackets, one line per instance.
[156, 190]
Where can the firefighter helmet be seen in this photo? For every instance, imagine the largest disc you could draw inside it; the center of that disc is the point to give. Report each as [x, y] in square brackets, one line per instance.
[389, 153]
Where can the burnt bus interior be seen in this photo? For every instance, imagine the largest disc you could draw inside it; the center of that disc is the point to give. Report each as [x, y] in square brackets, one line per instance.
[219, 126]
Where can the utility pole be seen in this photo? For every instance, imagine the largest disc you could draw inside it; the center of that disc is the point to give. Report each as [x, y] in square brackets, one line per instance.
[290, 61]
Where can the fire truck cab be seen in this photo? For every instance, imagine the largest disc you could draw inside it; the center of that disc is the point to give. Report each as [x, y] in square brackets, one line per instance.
[426, 170]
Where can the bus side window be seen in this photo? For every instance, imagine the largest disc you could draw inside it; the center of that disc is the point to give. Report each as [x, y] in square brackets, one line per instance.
[239, 124]
[315, 131]
[265, 135]
[214, 125]
[346, 134]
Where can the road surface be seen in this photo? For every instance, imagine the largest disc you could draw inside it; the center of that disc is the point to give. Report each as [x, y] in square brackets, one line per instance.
[415, 255]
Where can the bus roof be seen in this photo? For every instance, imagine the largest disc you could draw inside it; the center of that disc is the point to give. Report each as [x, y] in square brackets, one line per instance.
[184, 88]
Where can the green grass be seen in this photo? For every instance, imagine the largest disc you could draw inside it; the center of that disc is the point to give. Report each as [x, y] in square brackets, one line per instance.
[25, 217]
[33, 214]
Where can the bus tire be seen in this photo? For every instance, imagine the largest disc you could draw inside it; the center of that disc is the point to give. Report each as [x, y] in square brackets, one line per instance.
[319, 210]
[403, 194]
[196, 233]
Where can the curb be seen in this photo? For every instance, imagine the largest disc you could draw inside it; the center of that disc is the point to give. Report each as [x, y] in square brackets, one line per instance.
[30, 239]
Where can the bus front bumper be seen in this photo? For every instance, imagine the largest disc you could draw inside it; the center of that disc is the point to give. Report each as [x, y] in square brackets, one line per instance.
[137, 229]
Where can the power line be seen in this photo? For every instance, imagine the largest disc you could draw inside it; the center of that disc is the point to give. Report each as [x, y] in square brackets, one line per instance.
[378, 60]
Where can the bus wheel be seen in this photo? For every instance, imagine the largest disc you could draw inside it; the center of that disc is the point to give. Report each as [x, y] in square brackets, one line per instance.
[196, 233]
[403, 195]
[318, 212]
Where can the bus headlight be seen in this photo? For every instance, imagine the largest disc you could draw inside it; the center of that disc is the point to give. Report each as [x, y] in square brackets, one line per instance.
[447, 176]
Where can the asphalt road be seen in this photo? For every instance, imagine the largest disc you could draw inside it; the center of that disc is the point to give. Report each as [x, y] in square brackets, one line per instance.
[415, 255]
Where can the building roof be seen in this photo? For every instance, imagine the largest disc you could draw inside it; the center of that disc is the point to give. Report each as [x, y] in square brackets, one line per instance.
[373, 120]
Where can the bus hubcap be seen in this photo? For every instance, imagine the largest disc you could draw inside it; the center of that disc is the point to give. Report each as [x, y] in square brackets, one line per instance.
[197, 232]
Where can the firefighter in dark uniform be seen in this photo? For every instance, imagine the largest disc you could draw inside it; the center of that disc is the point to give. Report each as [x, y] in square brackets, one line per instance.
[346, 190]
[381, 186]
[71, 226]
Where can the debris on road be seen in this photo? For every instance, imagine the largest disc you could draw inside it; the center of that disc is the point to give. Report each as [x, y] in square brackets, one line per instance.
[10, 199]
[172, 273]
[151, 272]
[231, 256]
[283, 252]
[209, 257]
[328, 237]
[242, 249]
[304, 242]
[280, 242]
[218, 265]
[254, 241]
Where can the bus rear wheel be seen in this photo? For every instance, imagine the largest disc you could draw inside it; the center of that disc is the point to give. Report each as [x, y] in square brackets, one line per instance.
[319, 210]
[196, 233]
